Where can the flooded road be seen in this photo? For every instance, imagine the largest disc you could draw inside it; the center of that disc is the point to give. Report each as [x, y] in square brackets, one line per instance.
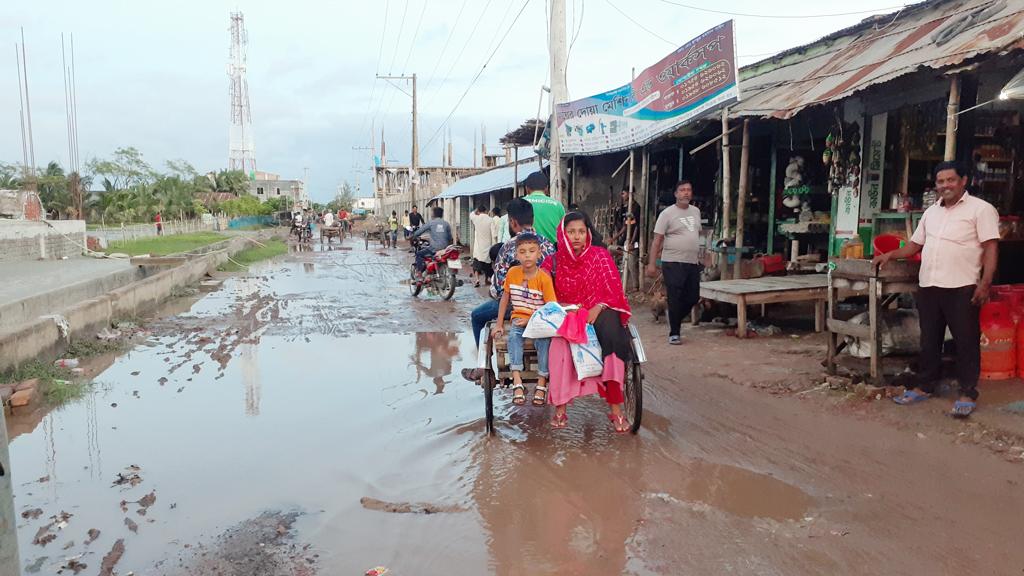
[308, 418]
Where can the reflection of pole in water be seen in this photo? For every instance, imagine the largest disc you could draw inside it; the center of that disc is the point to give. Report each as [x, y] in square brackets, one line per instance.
[250, 378]
[9, 561]
[92, 433]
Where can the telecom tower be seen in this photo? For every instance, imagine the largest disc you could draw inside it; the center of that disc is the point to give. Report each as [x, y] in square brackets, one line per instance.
[241, 152]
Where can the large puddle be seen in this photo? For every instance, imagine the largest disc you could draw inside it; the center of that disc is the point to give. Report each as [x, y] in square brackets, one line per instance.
[315, 385]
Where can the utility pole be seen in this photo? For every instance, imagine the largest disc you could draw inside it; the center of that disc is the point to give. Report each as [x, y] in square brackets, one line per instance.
[9, 561]
[414, 174]
[559, 93]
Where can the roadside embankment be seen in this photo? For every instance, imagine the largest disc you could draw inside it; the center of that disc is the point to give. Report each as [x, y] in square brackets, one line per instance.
[47, 337]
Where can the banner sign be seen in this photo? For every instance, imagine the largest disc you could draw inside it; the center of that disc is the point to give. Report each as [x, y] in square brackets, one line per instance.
[874, 160]
[699, 76]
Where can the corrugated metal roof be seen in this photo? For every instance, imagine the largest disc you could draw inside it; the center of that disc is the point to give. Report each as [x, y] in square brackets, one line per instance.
[938, 34]
[493, 179]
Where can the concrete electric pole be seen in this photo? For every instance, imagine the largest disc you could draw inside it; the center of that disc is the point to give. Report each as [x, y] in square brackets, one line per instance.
[9, 561]
[414, 167]
[559, 94]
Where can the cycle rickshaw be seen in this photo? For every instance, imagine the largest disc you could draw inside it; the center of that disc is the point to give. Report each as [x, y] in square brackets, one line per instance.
[492, 358]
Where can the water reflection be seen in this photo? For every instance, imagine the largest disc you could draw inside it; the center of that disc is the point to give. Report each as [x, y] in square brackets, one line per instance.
[441, 348]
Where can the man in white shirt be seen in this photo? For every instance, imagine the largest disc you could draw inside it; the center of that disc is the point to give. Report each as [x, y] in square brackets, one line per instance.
[958, 238]
[677, 245]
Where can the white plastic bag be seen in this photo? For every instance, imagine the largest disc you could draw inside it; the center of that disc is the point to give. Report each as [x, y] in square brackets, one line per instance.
[545, 322]
[587, 357]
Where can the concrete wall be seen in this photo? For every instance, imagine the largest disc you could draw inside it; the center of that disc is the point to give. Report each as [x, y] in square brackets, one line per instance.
[42, 339]
[32, 240]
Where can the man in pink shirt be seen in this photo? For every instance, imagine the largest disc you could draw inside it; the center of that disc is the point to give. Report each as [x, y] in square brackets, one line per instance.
[958, 238]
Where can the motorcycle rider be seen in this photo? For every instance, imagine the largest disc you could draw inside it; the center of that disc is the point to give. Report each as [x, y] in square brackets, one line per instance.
[440, 238]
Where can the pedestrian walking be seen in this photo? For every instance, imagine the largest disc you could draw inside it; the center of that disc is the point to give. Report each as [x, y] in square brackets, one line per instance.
[159, 219]
[482, 243]
[958, 239]
[677, 246]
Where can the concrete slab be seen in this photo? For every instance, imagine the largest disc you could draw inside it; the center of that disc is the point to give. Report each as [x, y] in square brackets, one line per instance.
[29, 289]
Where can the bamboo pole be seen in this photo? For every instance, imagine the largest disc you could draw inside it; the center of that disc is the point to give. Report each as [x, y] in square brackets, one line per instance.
[723, 258]
[625, 253]
[641, 233]
[741, 201]
[951, 116]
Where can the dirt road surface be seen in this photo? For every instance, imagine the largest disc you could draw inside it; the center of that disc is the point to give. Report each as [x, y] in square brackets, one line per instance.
[308, 418]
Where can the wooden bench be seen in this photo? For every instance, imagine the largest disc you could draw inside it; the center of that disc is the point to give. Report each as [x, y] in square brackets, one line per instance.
[770, 290]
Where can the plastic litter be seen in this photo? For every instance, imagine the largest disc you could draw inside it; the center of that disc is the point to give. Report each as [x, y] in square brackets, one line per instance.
[378, 571]
[66, 363]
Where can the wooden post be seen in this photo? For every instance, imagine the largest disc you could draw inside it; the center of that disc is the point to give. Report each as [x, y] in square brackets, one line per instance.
[625, 254]
[772, 175]
[515, 174]
[723, 257]
[741, 202]
[641, 232]
[726, 174]
[951, 111]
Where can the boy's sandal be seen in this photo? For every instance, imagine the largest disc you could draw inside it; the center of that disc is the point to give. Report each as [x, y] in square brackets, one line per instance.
[559, 421]
[540, 395]
[518, 394]
[911, 397]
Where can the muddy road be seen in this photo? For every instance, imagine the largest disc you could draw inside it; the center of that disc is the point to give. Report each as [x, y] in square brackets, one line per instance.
[308, 418]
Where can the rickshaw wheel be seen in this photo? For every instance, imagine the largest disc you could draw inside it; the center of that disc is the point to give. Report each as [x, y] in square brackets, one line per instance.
[633, 390]
[487, 384]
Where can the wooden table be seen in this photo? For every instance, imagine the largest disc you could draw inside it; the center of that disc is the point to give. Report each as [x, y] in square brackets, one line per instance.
[770, 290]
[856, 276]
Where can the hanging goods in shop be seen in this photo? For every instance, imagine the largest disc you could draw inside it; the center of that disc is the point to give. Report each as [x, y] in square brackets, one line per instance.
[998, 342]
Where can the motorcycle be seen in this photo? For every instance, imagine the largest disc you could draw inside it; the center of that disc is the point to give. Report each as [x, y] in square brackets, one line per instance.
[439, 275]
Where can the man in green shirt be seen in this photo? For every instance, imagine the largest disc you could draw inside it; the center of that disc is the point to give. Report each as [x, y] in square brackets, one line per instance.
[547, 212]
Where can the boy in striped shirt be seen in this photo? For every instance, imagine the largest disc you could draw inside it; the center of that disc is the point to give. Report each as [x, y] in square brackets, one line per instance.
[526, 289]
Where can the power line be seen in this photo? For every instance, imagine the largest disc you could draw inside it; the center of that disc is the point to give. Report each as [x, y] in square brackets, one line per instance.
[398, 40]
[472, 32]
[479, 73]
[568, 55]
[644, 28]
[380, 57]
[415, 34]
[444, 49]
[780, 16]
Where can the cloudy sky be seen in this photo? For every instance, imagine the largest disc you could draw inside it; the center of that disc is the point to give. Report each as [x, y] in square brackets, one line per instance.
[153, 74]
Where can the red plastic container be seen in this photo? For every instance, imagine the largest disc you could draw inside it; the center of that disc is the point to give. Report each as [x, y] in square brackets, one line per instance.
[885, 243]
[998, 342]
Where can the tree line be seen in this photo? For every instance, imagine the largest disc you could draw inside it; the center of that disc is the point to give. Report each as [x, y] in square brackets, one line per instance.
[125, 188]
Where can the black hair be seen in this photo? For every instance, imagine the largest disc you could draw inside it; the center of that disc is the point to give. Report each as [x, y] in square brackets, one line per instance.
[496, 211]
[526, 238]
[438, 212]
[955, 165]
[493, 252]
[683, 182]
[595, 237]
[536, 181]
[414, 207]
[521, 211]
[393, 213]
[482, 208]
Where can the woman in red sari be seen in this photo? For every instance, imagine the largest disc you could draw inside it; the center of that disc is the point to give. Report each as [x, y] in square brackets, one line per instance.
[586, 275]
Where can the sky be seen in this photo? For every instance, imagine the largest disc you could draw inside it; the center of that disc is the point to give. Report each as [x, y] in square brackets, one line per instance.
[153, 75]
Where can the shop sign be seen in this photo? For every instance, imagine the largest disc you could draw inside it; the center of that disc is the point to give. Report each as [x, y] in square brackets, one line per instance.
[695, 79]
[847, 215]
[874, 160]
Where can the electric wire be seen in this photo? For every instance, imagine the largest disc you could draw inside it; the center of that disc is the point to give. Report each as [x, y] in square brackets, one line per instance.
[458, 58]
[641, 26]
[479, 73]
[415, 34]
[444, 49]
[398, 39]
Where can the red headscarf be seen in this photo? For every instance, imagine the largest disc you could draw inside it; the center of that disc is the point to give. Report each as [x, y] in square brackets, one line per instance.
[588, 278]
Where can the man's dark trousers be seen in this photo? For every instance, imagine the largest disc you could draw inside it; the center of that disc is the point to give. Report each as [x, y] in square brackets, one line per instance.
[938, 308]
[682, 287]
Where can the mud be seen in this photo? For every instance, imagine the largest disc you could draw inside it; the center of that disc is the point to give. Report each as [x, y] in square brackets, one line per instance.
[308, 418]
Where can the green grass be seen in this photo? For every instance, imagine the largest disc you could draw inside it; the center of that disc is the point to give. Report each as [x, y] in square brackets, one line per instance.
[271, 248]
[55, 384]
[58, 392]
[164, 245]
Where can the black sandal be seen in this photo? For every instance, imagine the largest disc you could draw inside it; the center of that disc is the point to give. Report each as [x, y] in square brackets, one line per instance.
[518, 399]
[540, 395]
